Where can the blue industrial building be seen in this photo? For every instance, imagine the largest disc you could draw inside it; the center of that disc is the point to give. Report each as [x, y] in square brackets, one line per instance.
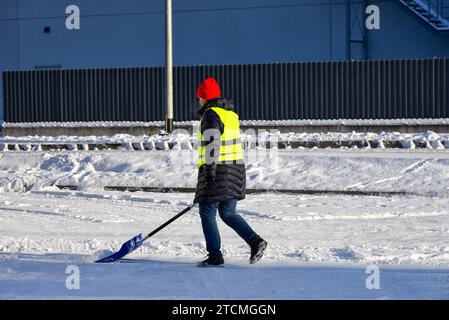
[119, 33]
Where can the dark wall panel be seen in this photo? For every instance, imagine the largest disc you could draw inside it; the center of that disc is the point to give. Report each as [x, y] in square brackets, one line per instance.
[384, 89]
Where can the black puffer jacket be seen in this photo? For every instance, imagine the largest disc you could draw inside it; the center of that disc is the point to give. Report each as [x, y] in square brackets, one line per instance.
[230, 179]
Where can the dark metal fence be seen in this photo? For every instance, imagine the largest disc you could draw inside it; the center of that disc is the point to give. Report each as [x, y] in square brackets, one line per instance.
[312, 90]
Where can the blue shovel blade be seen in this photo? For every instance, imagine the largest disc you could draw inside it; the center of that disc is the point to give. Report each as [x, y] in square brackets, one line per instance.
[128, 247]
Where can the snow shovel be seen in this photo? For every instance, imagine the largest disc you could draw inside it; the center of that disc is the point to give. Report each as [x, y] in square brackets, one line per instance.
[134, 243]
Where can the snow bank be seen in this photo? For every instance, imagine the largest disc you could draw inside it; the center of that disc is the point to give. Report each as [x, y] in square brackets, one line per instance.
[418, 172]
[181, 139]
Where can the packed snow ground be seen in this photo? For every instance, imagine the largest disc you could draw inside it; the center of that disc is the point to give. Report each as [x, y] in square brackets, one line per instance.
[319, 247]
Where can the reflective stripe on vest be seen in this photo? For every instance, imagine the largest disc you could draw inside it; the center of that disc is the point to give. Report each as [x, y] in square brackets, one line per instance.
[230, 143]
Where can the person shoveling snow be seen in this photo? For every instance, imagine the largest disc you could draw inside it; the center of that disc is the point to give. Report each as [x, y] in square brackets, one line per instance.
[221, 180]
[221, 173]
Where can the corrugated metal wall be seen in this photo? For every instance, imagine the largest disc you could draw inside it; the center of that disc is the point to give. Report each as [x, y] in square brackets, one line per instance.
[316, 90]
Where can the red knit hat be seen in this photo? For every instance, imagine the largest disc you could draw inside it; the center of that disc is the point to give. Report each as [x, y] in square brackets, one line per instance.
[209, 89]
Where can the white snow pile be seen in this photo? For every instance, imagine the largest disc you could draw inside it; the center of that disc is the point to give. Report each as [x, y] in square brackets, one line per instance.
[124, 139]
[424, 172]
[181, 139]
[428, 139]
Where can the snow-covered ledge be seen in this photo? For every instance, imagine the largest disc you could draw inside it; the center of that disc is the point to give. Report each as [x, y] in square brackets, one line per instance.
[110, 128]
[92, 128]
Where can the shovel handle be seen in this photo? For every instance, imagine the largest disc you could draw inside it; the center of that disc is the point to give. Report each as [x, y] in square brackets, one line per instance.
[168, 222]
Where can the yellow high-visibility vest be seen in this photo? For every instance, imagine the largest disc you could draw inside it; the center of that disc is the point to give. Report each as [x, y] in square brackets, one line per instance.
[230, 144]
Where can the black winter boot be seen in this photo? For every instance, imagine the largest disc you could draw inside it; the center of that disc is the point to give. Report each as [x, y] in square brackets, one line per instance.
[212, 261]
[258, 246]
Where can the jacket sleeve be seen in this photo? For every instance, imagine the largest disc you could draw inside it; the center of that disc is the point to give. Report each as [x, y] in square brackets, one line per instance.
[212, 128]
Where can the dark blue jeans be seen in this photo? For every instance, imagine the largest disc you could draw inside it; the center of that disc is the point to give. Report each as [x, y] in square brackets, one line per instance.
[226, 209]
